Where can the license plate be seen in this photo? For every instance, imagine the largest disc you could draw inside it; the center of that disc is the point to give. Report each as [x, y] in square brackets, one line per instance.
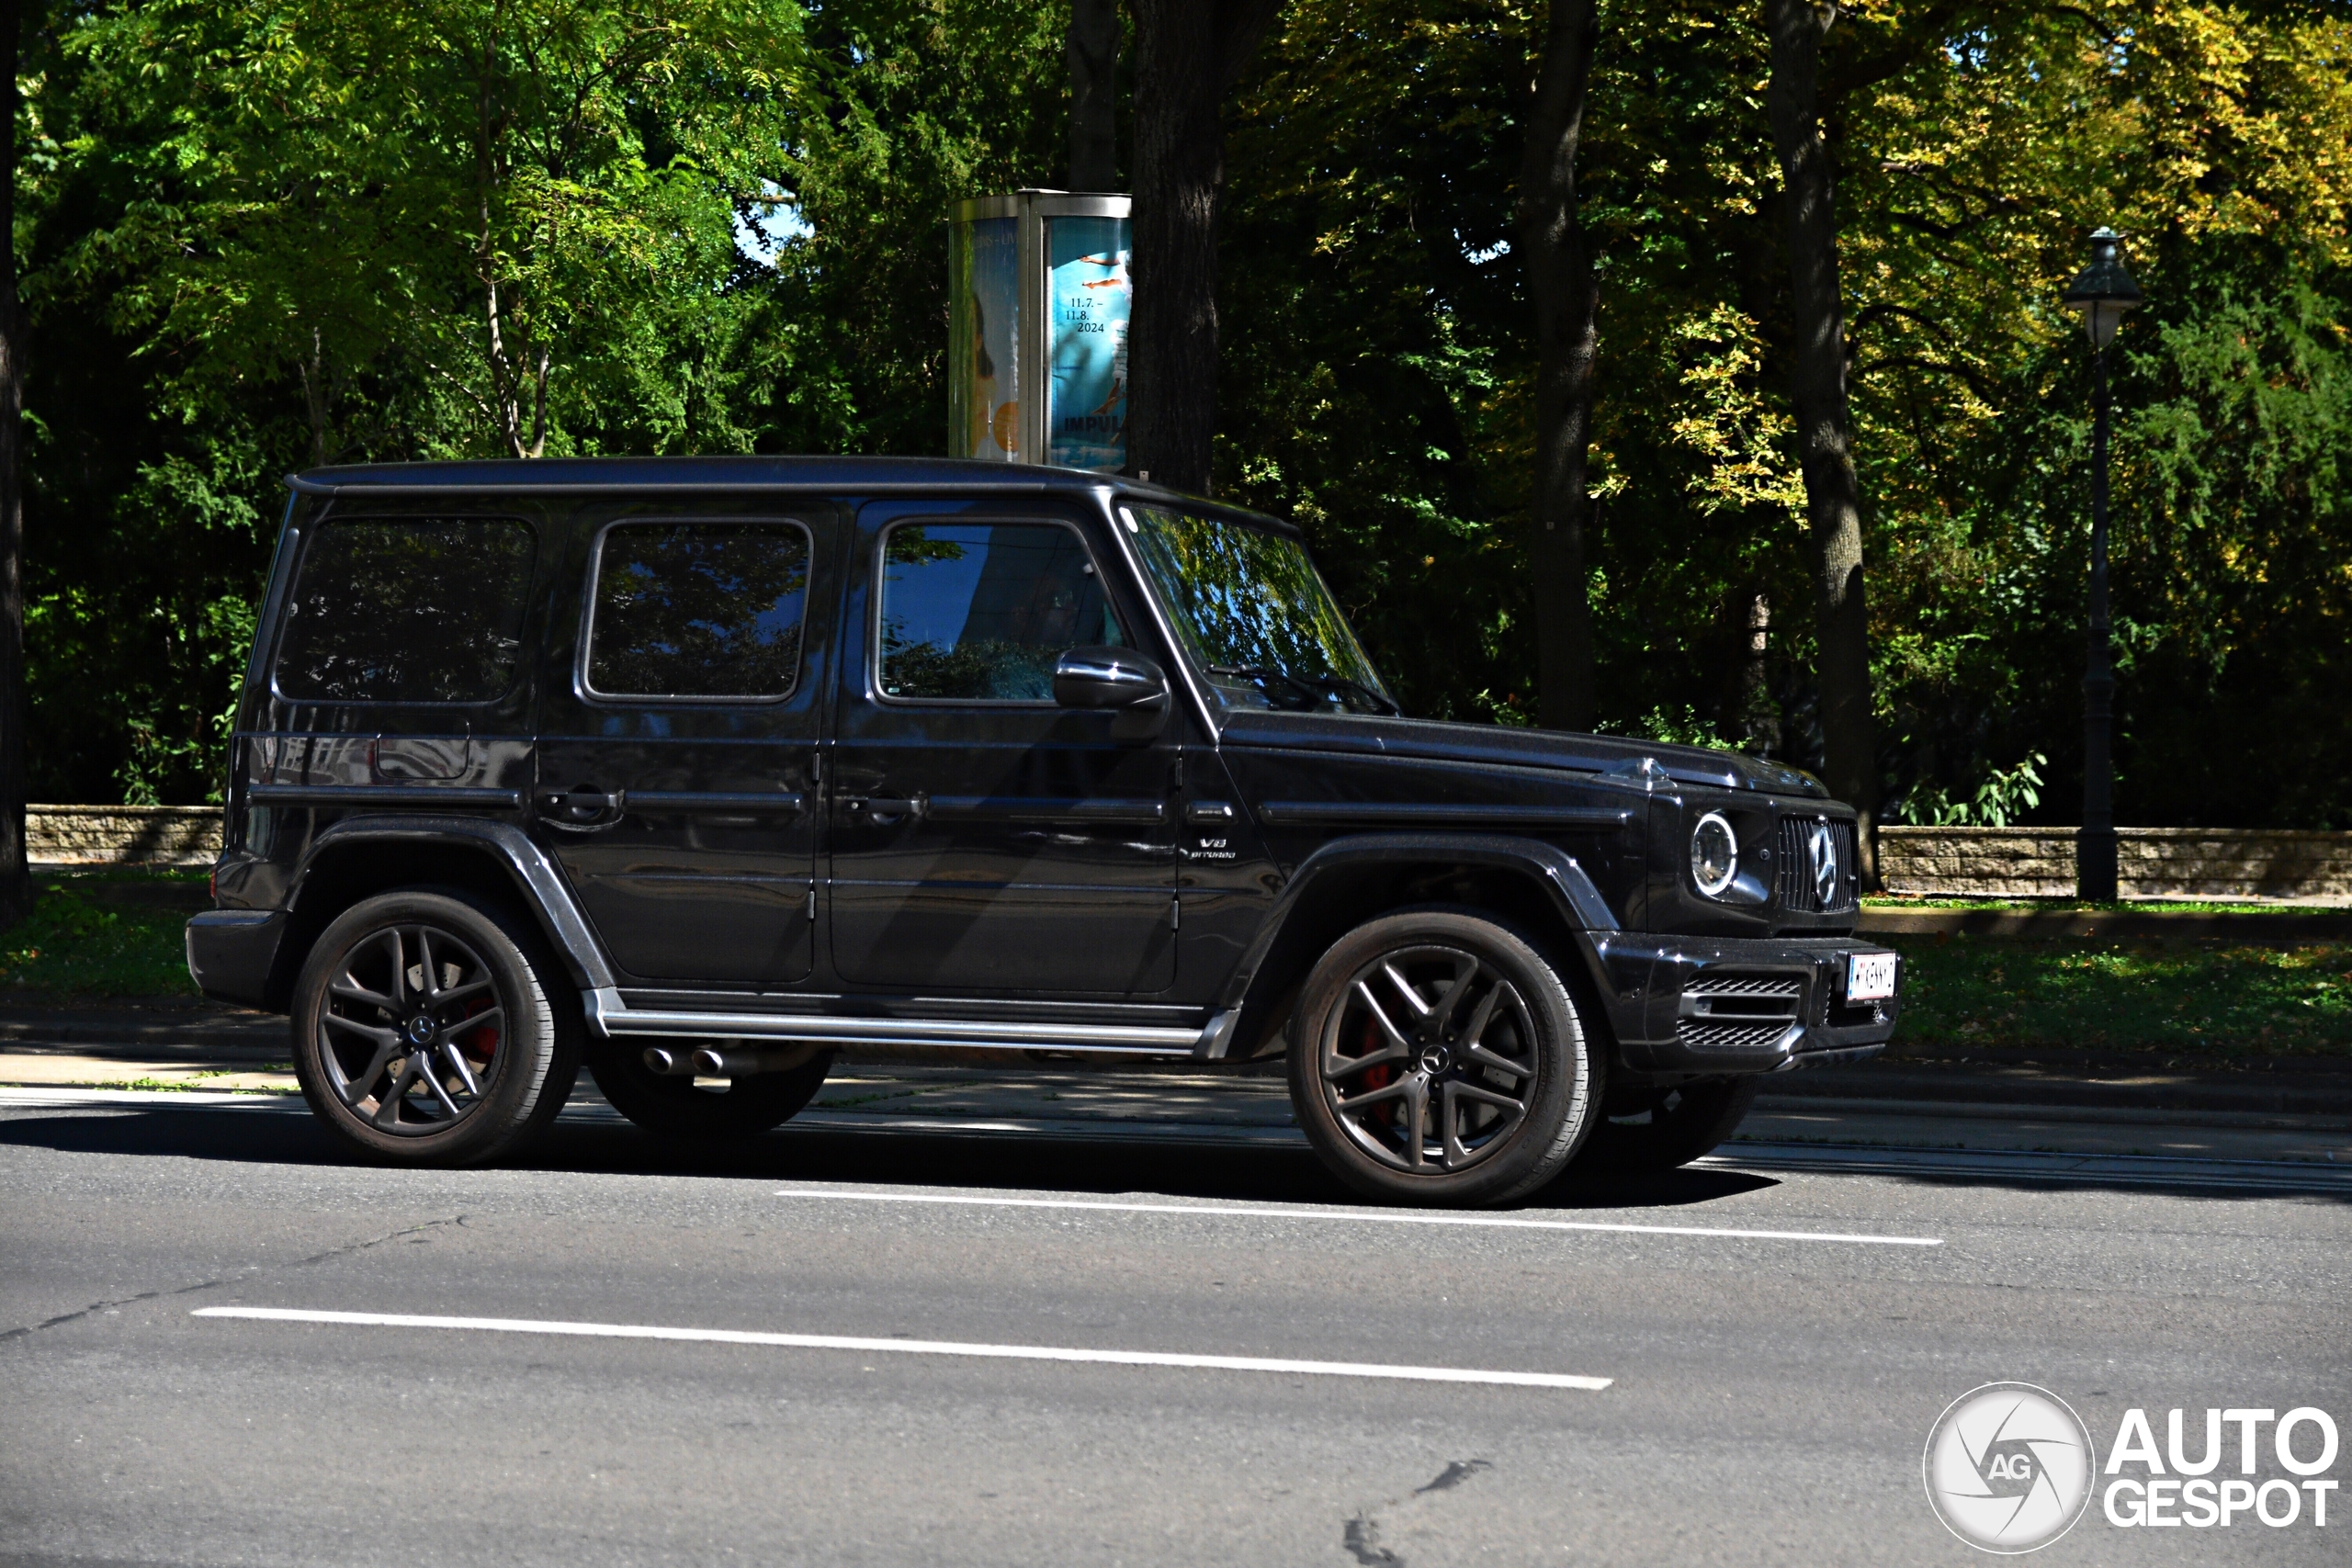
[1869, 976]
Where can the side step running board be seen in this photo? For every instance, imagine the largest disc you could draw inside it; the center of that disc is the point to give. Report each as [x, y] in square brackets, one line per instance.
[608, 1016]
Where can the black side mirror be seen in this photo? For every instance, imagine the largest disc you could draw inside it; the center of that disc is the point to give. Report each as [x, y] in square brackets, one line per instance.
[1120, 678]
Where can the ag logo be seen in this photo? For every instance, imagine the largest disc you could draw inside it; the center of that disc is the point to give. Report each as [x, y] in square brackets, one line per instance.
[2008, 1467]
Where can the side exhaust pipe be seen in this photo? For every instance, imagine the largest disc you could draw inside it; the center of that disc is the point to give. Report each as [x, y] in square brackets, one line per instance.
[725, 1059]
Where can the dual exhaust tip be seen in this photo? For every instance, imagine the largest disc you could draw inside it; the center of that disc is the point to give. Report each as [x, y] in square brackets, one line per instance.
[722, 1060]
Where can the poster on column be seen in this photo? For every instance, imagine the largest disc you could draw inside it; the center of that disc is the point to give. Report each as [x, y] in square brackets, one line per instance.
[1087, 292]
[987, 366]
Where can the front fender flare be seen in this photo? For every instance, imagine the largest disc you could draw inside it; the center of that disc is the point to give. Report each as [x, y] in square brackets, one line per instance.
[1582, 912]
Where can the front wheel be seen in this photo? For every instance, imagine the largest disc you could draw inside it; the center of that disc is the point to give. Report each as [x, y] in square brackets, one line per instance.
[424, 1033]
[1437, 1057]
[1661, 1128]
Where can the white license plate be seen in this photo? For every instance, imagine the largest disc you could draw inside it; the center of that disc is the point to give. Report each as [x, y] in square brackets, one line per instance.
[1869, 976]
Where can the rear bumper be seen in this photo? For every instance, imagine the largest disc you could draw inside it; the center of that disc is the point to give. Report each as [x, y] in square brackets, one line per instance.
[1740, 1005]
[230, 952]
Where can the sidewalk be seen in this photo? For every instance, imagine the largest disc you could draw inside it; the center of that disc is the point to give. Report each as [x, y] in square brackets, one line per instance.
[2273, 1111]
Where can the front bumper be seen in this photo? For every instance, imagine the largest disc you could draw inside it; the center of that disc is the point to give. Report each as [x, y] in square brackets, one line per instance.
[1740, 1005]
[230, 952]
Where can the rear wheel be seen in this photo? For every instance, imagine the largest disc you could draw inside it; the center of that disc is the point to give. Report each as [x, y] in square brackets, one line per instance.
[1661, 1128]
[673, 1107]
[423, 1032]
[1436, 1057]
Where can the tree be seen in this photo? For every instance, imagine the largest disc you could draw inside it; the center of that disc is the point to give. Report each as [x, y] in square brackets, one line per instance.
[1823, 424]
[1560, 283]
[1189, 55]
[1093, 52]
[15, 880]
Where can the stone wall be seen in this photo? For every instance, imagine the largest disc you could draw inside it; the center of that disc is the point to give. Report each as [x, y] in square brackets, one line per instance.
[2151, 863]
[123, 834]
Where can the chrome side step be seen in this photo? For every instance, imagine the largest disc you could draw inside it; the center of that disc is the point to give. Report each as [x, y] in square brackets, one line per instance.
[610, 1016]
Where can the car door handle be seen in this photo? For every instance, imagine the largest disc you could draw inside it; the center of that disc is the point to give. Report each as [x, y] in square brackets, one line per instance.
[582, 810]
[884, 809]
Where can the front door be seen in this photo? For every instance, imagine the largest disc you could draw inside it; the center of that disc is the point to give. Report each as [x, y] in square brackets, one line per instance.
[677, 762]
[983, 839]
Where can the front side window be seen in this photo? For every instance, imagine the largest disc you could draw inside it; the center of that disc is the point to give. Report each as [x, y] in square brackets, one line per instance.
[981, 612]
[698, 610]
[394, 610]
[1254, 614]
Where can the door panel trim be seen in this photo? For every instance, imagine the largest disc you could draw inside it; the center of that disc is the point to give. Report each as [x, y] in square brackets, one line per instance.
[1032, 808]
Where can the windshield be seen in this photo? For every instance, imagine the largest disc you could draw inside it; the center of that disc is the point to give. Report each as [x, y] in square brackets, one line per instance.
[1253, 611]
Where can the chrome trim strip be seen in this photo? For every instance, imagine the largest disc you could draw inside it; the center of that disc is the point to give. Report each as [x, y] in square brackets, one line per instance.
[1351, 813]
[610, 1016]
[365, 795]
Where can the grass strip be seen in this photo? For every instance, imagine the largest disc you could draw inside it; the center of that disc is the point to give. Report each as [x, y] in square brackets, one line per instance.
[76, 944]
[2214, 998]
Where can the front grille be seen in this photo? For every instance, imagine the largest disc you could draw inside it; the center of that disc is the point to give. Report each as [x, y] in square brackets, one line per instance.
[1796, 886]
[1709, 1035]
[1710, 984]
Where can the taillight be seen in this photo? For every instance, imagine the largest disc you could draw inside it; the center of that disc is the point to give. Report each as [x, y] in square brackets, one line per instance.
[212, 885]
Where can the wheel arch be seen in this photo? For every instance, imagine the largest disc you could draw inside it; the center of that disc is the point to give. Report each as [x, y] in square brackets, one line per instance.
[359, 857]
[1536, 885]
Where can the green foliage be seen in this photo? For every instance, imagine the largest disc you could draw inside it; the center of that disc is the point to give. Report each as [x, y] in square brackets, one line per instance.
[78, 943]
[261, 233]
[2209, 1000]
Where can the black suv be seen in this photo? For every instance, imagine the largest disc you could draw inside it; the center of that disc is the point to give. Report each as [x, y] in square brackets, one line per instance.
[699, 770]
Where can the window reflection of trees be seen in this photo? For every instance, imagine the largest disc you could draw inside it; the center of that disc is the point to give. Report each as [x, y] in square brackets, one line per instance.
[690, 609]
[1033, 597]
[1246, 598]
[385, 611]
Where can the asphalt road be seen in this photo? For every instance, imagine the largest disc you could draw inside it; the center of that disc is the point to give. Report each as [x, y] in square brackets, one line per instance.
[1767, 1394]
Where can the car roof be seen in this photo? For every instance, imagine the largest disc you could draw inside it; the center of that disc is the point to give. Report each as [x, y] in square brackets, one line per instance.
[830, 476]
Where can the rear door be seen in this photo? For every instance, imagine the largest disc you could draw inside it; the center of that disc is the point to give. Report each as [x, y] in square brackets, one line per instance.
[983, 839]
[677, 759]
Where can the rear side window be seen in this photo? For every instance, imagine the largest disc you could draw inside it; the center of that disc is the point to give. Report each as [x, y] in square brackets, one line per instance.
[698, 610]
[981, 612]
[387, 610]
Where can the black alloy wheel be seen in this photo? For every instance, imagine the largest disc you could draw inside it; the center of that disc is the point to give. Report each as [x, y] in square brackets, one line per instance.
[423, 1034]
[1438, 1058]
[673, 1107]
[1658, 1129]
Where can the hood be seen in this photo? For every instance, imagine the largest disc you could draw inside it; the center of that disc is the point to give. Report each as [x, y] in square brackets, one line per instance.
[1609, 754]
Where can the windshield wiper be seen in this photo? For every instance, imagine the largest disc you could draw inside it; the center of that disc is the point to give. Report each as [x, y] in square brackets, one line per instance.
[1311, 688]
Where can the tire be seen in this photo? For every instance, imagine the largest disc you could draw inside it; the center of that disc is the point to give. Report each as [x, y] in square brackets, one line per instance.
[424, 1031]
[674, 1108]
[1441, 999]
[1661, 1128]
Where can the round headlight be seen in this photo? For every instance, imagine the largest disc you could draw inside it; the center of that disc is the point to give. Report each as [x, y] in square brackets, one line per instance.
[1715, 855]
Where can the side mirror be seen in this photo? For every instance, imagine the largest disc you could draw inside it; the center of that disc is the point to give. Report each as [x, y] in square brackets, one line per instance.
[1133, 686]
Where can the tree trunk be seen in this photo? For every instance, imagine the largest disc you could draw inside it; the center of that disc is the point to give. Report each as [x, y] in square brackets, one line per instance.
[1188, 55]
[1567, 300]
[15, 876]
[1093, 78]
[1817, 394]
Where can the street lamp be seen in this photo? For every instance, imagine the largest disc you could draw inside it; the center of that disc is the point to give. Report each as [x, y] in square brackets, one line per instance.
[2102, 294]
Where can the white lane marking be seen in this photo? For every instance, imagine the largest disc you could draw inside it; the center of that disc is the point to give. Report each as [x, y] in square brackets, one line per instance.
[1370, 1216]
[913, 1346]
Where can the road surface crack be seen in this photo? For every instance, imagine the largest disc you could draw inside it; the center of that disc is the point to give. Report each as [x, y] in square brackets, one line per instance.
[241, 1275]
[1361, 1536]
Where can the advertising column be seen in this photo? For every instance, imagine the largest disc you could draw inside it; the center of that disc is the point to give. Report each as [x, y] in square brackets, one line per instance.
[1038, 345]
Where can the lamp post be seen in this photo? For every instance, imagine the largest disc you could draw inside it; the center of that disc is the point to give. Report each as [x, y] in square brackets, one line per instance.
[2102, 294]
